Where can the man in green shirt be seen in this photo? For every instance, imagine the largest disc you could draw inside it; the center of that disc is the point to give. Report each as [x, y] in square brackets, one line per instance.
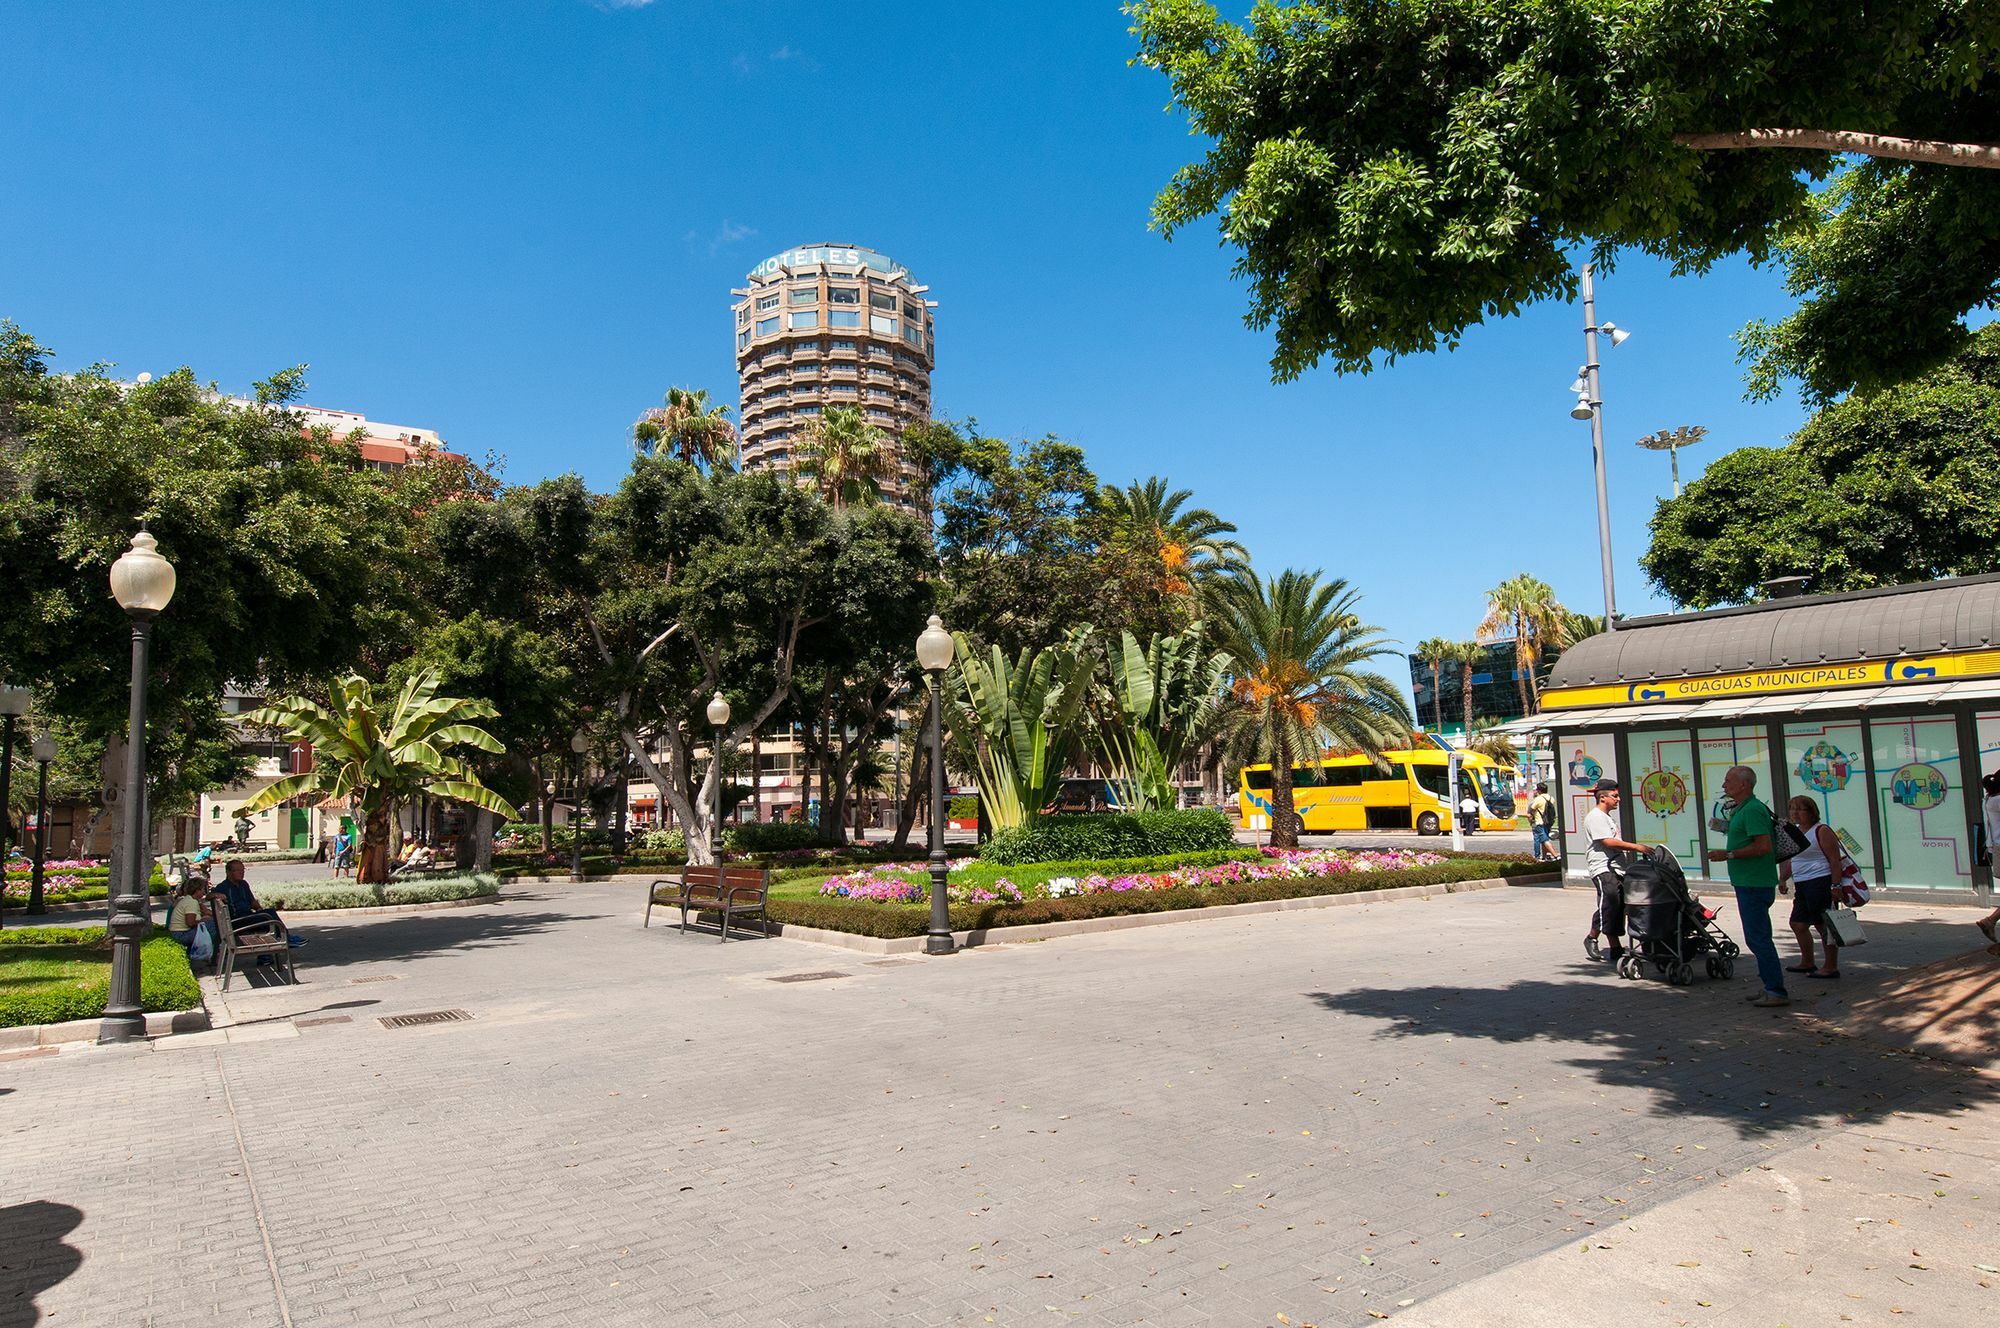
[1753, 874]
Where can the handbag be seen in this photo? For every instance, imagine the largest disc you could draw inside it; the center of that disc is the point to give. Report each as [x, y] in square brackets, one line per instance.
[1845, 924]
[1851, 890]
[1787, 841]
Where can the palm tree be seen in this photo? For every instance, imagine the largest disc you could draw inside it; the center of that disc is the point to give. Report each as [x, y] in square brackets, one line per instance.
[846, 456]
[1527, 607]
[1468, 655]
[1437, 652]
[690, 428]
[382, 754]
[1298, 650]
[1188, 541]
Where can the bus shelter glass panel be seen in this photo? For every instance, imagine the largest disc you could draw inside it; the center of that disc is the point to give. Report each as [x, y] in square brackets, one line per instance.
[1824, 759]
[1725, 746]
[1987, 724]
[1662, 795]
[1582, 759]
[1926, 843]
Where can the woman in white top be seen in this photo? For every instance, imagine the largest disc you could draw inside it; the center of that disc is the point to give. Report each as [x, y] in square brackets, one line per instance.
[1813, 870]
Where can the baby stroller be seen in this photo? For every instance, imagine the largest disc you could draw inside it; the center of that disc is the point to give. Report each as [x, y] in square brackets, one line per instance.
[1667, 925]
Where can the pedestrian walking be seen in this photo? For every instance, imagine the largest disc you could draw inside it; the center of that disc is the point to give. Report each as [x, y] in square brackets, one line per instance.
[1813, 870]
[1600, 827]
[1753, 874]
[1542, 824]
[1990, 814]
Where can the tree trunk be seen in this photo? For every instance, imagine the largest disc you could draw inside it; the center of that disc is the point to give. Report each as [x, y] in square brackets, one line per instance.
[757, 774]
[1468, 701]
[906, 814]
[547, 800]
[1284, 816]
[1941, 152]
[1437, 693]
[482, 840]
[618, 811]
[371, 866]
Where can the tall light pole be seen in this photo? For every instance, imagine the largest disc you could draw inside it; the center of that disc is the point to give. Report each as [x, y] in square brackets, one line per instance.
[1590, 406]
[579, 743]
[44, 750]
[1671, 441]
[13, 705]
[934, 653]
[718, 717]
[143, 583]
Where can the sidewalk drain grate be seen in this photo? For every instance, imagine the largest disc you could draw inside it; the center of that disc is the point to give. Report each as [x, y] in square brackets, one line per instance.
[323, 1019]
[806, 977]
[382, 977]
[427, 1017]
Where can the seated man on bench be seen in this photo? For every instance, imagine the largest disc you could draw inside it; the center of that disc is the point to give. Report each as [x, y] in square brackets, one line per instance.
[245, 913]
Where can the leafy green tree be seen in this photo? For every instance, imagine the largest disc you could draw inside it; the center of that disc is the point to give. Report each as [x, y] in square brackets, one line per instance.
[291, 555]
[1026, 718]
[1300, 652]
[1392, 174]
[1526, 606]
[688, 429]
[1897, 487]
[1165, 700]
[846, 457]
[379, 752]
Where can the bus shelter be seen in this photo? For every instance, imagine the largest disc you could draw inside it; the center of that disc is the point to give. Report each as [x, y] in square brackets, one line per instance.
[1883, 706]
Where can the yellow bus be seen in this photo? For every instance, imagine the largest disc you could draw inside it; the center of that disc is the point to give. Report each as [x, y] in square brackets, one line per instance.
[1353, 793]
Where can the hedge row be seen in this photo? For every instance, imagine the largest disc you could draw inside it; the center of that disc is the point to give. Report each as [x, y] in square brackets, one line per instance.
[1110, 835]
[895, 921]
[165, 982]
[431, 890]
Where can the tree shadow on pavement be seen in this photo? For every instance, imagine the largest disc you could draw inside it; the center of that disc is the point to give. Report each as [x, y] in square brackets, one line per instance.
[1699, 1051]
[34, 1256]
[405, 939]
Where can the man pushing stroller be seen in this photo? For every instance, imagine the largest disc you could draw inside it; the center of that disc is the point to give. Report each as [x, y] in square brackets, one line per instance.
[1600, 827]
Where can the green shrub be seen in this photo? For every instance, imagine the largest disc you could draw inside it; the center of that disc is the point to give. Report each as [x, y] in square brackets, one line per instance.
[770, 836]
[165, 982]
[662, 841]
[894, 921]
[964, 807]
[317, 898]
[1110, 835]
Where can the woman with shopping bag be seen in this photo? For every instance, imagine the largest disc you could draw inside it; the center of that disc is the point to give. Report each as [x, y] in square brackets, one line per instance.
[1814, 870]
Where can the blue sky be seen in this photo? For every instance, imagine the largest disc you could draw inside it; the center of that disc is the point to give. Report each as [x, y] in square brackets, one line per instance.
[518, 222]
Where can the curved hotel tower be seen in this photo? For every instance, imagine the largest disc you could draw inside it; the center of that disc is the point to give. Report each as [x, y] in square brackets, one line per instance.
[832, 325]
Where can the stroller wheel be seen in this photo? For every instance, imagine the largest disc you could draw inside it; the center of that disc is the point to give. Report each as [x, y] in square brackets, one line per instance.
[1683, 974]
[1714, 967]
[1631, 967]
[1592, 947]
[1728, 966]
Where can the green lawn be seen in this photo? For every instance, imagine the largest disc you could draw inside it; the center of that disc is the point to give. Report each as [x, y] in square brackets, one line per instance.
[52, 974]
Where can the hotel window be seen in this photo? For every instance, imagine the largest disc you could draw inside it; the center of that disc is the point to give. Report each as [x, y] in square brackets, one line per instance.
[914, 335]
[844, 388]
[912, 311]
[743, 316]
[742, 340]
[839, 344]
[844, 318]
[766, 302]
[843, 294]
[877, 323]
[879, 352]
[766, 326]
[877, 300]
[806, 318]
[807, 410]
[805, 295]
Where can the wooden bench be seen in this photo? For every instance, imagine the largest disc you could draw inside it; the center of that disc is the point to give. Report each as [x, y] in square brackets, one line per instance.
[734, 892]
[231, 949]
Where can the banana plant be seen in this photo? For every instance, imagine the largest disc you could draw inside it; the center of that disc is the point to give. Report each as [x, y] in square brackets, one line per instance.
[378, 759]
[1026, 716]
[1164, 699]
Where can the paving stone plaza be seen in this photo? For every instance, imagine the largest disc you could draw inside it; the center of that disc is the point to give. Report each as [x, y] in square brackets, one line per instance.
[1407, 1108]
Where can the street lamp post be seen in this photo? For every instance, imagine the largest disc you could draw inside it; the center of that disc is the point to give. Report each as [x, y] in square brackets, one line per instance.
[718, 717]
[579, 743]
[44, 750]
[934, 652]
[143, 583]
[1671, 441]
[1590, 406]
[13, 705]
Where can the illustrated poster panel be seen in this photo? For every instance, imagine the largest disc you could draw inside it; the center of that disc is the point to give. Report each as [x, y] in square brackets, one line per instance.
[1926, 843]
[1664, 810]
[1581, 760]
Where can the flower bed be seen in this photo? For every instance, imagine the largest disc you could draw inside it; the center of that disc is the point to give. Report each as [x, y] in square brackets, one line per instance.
[873, 906]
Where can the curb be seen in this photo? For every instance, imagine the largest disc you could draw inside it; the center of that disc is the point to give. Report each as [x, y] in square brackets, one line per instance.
[17, 915]
[1041, 931]
[85, 1030]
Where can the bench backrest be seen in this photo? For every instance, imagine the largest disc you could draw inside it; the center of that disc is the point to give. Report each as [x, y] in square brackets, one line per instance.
[729, 878]
[225, 934]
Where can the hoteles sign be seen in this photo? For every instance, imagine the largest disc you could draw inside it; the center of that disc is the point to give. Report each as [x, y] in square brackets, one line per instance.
[1805, 678]
[836, 254]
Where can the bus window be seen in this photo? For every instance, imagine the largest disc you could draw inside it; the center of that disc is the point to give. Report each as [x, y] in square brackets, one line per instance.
[1434, 779]
[1258, 779]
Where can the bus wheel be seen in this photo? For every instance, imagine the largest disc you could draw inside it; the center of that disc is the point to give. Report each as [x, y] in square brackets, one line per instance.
[1427, 824]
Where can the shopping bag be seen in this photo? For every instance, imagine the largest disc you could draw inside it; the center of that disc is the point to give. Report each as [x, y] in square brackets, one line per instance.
[1852, 888]
[203, 947]
[1845, 924]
